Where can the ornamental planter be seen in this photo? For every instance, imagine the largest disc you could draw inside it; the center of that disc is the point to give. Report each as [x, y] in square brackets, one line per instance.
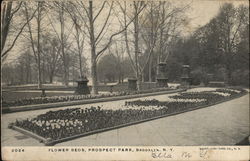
[185, 78]
[82, 86]
[162, 79]
[132, 84]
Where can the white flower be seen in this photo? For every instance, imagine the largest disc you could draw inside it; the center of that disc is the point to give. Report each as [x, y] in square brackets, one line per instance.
[47, 123]
[222, 94]
[204, 89]
[233, 90]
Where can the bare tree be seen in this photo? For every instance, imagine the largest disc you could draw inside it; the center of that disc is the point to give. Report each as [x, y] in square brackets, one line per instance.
[117, 49]
[230, 22]
[157, 27]
[96, 36]
[63, 35]
[6, 20]
[51, 54]
[138, 7]
[36, 46]
[79, 34]
[150, 29]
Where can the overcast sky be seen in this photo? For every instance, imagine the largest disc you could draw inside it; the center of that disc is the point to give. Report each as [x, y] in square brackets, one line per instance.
[203, 10]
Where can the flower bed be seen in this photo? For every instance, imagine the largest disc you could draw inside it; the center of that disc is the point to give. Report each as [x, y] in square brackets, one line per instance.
[189, 100]
[71, 122]
[54, 99]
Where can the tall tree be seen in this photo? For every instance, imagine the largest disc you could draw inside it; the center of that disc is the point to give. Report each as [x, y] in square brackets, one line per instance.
[230, 23]
[96, 34]
[220, 37]
[35, 44]
[79, 35]
[7, 14]
[137, 8]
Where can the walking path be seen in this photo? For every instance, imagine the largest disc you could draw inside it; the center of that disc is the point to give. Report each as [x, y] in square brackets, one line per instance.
[223, 124]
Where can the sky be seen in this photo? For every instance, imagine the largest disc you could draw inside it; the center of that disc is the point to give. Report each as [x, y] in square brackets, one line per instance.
[200, 13]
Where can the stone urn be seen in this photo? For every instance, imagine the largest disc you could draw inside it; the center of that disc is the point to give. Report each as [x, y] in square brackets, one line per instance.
[185, 78]
[162, 79]
[132, 84]
[82, 86]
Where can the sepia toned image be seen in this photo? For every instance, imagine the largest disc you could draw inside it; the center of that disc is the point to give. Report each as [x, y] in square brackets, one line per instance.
[124, 73]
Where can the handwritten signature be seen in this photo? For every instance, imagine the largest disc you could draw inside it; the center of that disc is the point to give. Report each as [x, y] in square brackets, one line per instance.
[161, 155]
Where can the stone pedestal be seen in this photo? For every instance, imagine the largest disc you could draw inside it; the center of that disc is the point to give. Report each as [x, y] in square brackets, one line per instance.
[185, 78]
[162, 79]
[82, 86]
[132, 84]
[43, 93]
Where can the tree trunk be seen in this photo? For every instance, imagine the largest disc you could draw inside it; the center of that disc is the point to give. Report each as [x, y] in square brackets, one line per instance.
[5, 18]
[64, 57]
[39, 82]
[150, 69]
[93, 50]
[79, 48]
[94, 76]
[51, 76]
[136, 36]
[51, 79]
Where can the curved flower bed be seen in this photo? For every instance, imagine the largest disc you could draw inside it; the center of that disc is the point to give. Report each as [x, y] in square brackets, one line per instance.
[189, 100]
[54, 99]
[209, 96]
[71, 122]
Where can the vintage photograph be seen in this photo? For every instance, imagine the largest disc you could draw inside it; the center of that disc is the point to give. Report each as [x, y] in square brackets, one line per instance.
[124, 73]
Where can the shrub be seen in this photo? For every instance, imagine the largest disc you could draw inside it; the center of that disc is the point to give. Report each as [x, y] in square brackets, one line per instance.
[240, 78]
[199, 77]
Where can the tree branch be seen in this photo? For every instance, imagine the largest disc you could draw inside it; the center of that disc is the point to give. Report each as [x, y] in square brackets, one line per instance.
[13, 43]
[105, 23]
[100, 11]
[111, 37]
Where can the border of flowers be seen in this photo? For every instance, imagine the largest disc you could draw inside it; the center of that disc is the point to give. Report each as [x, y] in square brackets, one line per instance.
[50, 142]
[85, 101]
